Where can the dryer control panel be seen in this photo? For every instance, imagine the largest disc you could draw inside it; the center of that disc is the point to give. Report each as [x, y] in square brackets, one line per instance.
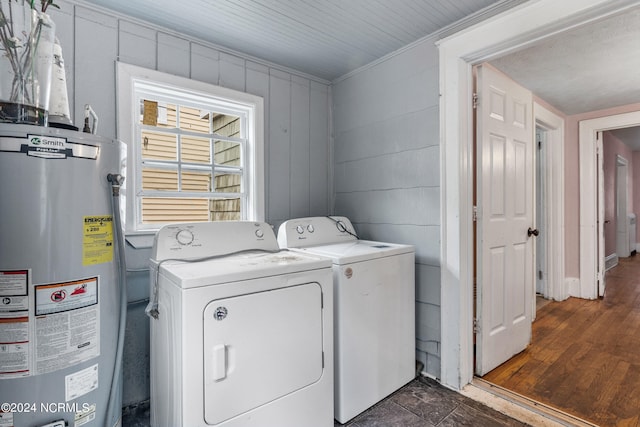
[205, 239]
[312, 231]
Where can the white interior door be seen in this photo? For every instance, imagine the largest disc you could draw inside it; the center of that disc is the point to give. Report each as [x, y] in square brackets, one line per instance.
[505, 199]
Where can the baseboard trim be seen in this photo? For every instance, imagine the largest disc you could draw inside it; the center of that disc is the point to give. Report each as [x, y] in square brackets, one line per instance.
[572, 287]
[521, 408]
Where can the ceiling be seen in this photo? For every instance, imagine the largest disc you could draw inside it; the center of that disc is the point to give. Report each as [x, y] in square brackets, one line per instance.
[629, 136]
[323, 38]
[588, 68]
[584, 69]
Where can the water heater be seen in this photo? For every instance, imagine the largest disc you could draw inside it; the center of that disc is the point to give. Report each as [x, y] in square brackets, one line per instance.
[60, 297]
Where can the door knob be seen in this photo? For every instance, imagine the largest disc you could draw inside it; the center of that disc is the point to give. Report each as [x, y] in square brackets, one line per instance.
[532, 231]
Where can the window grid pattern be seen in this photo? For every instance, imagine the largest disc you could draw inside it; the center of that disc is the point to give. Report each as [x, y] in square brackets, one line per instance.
[191, 163]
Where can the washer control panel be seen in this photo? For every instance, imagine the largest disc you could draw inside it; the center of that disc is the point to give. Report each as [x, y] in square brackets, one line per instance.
[203, 239]
[301, 229]
[311, 231]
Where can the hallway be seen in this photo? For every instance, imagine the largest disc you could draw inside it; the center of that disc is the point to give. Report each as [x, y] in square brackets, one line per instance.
[585, 354]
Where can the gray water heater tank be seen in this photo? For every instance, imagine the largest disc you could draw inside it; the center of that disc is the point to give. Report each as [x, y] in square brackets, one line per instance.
[59, 292]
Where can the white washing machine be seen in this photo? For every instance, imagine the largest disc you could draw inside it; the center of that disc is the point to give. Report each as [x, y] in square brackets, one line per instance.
[374, 309]
[241, 331]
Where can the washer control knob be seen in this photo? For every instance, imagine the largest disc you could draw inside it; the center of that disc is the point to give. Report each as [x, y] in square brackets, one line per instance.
[341, 226]
[259, 233]
[184, 237]
[310, 228]
[300, 229]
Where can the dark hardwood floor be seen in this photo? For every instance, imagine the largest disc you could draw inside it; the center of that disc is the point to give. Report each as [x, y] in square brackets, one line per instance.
[585, 355]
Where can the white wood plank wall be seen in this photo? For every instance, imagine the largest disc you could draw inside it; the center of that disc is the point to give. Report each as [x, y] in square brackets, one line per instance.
[387, 174]
[296, 127]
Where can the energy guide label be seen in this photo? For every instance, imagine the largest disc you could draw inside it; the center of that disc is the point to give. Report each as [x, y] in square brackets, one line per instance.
[97, 239]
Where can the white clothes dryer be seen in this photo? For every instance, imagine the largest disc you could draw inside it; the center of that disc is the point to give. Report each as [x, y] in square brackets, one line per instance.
[241, 331]
[374, 309]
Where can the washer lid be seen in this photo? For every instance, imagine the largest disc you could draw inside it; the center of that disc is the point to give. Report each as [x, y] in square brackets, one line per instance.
[234, 268]
[357, 251]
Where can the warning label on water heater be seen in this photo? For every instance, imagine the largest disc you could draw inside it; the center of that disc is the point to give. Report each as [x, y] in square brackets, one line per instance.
[15, 339]
[97, 239]
[14, 347]
[57, 297]
[67, 324]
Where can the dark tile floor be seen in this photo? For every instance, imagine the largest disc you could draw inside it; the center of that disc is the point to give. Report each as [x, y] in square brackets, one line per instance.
[425, 403]
[421, 403]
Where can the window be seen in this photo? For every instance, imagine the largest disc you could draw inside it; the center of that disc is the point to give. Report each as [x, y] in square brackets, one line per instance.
[194, 150]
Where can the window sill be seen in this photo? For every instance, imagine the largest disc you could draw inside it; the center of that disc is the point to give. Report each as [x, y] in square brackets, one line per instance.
[140, 239]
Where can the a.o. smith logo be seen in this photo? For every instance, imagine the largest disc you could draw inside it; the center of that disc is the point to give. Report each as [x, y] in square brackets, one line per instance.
[42, 141]
[47, 147]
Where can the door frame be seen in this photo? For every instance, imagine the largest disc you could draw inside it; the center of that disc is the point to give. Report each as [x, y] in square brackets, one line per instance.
[553, 125]
[622, 203]
[590, 164]
[508, 32]
[540, 203]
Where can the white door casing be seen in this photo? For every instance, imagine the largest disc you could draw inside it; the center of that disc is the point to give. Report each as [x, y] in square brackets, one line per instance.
[600, 280]
[553, 214]
[505, 195]
[591, 234]
[622, 226]
[540, 200]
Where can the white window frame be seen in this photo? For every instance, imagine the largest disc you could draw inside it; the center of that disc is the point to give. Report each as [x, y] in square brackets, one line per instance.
[132, 79]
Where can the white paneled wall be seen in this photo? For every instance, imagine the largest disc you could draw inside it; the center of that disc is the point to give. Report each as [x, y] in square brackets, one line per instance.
[296, 126]
[387, 175]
